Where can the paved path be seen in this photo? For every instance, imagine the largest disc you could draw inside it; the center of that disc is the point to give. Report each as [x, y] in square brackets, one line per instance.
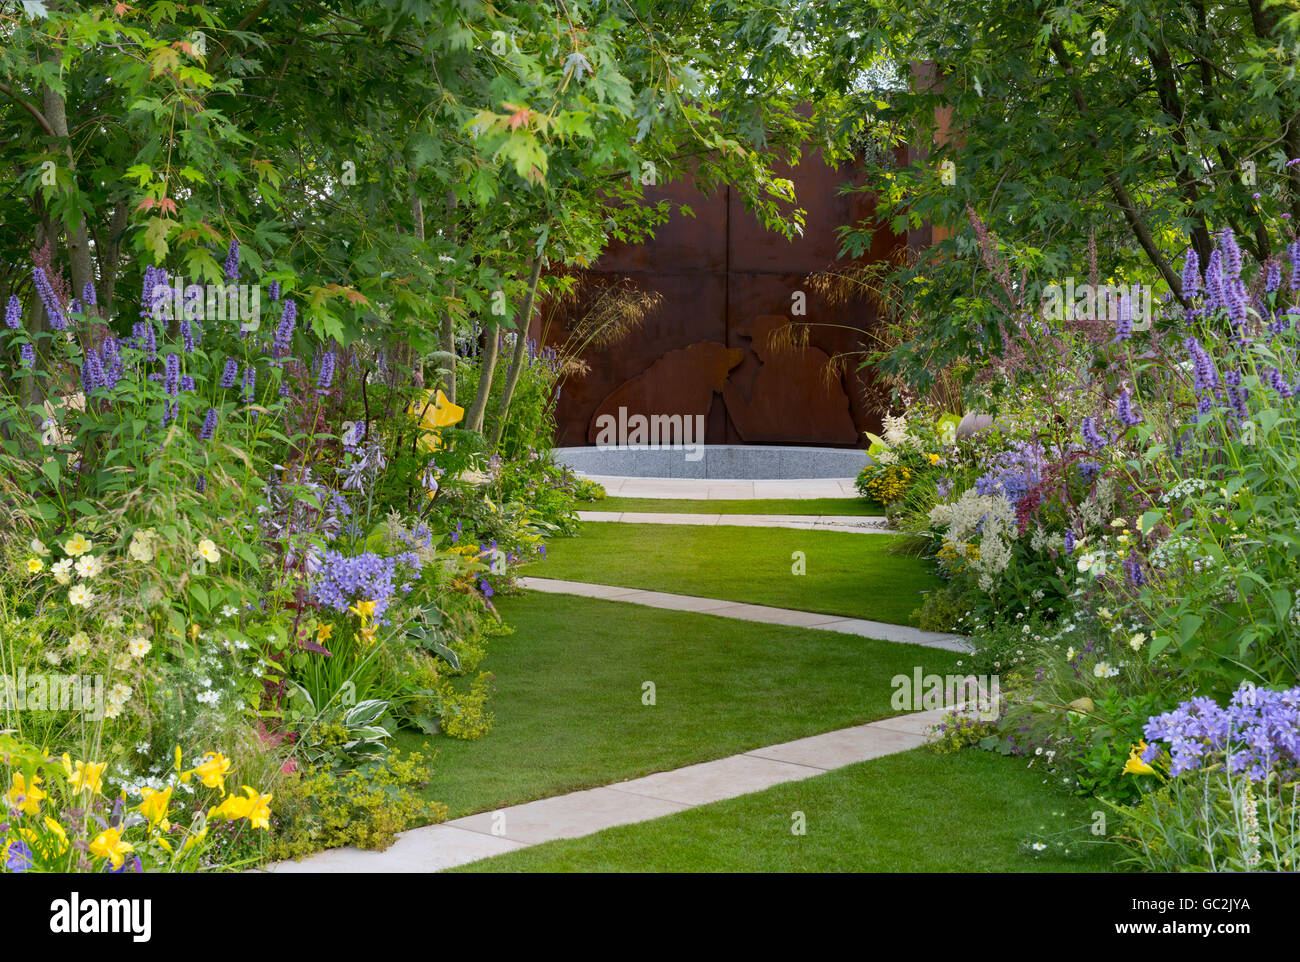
[880, 630]
[464, 840]
[715, 489]
[858, 524]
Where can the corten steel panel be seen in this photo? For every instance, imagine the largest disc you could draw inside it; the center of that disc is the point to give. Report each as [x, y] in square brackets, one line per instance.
[721, 277]
[682, 243]
[693, 310]
[754, 248]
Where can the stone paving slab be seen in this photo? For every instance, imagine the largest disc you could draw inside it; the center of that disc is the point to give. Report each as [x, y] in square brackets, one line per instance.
[857, 524]
[569, 816]
[717, 780]
[847, 746]
[879, 630]
[428, 849]
[702, 488]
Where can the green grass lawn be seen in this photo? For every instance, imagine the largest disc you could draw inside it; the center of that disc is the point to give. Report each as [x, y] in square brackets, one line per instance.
[910, 812]
[568, 696]
[847, 574]
[842, 506]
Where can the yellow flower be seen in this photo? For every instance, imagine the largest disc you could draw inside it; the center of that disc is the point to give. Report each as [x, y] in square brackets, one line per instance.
[108, 844]
[154, 807]
[57, 832]
[435, 411]
[194, 632]
[1135, 765]
[324, 632]
[208, 551]
[365, 610]
[86, 777]
[77, 545]
[259, 809]
[23, 796]
[212, 771]
[255, 807]
[34, 565]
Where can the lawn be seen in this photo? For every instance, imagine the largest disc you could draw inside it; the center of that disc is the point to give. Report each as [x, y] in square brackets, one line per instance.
[846, 574]
[912, 812]
[568, 697]
[837, 506]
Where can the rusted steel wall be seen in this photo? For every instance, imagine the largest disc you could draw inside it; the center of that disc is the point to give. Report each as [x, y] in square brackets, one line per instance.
[725, 283]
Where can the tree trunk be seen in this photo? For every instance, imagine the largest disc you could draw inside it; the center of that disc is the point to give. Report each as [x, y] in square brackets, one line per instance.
[517, 360]
[487, 367]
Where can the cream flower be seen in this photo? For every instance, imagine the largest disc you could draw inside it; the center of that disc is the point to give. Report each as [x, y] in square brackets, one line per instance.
[139, 646]
[34, 565]
[1137, 640]
[140, 550]
[208, 551]
[79, 643]
[77, 545]
[62, 571]
[38, 547]
[80, 595]
[88, 566]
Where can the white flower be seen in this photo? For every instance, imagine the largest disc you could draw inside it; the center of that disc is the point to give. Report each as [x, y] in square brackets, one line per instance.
[80, 595]
[119, 693]
[140, 550]
[114, 620]
[122, 662]
[1104, 670]
[229, 611]
[1038, 846]
[208, 551]
[139, 646]
[113, 710]
[886, 457]
[79, 643]
[1070, 653]
[208, 697]
[38, 547]
[88, 566]
[1136, 641]
[62, 571]
[54, 658]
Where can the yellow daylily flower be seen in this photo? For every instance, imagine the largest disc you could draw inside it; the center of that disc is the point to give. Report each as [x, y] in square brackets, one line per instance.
[255, 807]
[23, 796]
[108, 844]
[85, 776]
[435, 411]
[365, 610]
[212, 771]
[154, 807]
[1135, 765]
[324, 632]
[58, 834]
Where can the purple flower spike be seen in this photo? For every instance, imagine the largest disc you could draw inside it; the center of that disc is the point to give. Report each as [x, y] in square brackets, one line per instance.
[1089, 431]
[230, 374]
[232, 261]
[1191, 273]
[28, 355]
[88, 294]
[172, 376]
[209, 425]
[1231, 254]
[46, 293]
[326, 376]
[1124, 409]
[14, 313]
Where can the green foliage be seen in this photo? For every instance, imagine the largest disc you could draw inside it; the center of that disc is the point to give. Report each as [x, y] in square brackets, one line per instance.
[365, 807]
